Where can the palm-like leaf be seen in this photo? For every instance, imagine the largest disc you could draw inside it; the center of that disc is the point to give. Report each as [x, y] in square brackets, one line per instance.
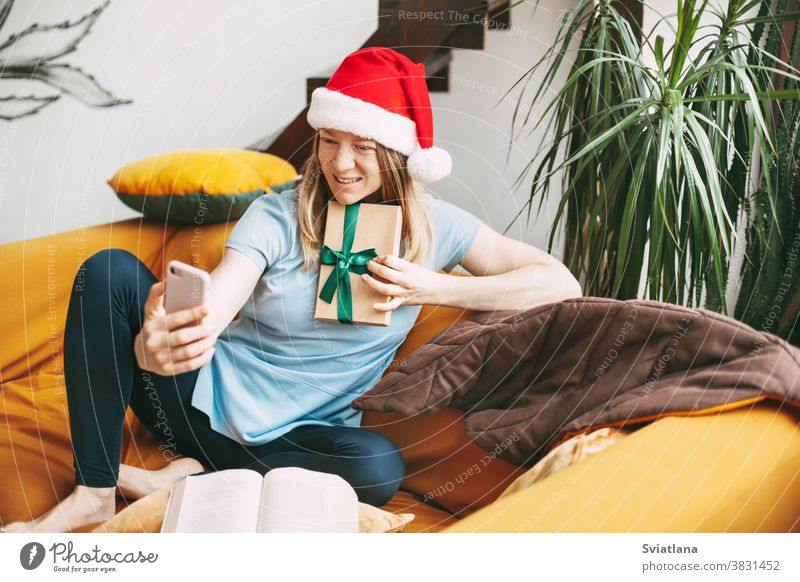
[5, 8]
[30, 53]
[769, 297]
[72, 81]
[16, 107]
[39, 43]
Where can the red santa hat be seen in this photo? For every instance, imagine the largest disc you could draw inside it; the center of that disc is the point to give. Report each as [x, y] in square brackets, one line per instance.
[379, 94]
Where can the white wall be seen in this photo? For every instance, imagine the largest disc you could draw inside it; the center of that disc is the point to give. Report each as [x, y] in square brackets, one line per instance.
[213, 74]
[201, 74]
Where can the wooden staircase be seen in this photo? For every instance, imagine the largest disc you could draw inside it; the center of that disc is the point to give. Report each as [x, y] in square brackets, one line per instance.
[461, 24]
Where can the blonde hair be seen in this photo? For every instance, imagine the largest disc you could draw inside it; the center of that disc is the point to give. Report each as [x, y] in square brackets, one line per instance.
[397, 188]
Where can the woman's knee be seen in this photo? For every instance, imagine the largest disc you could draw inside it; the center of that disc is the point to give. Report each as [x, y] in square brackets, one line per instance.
[382, 469]
[107, 268]
[103, 260]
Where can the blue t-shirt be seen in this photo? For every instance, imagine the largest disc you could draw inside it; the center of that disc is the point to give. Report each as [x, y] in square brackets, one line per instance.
[276, 367]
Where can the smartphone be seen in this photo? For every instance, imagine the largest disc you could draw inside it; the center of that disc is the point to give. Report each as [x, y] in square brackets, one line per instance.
[187, 287]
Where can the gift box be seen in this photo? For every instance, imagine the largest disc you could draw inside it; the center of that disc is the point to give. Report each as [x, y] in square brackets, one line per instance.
[354, 235]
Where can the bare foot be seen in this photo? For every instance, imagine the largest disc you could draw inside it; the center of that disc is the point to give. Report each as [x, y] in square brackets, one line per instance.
[135, 483]
[83, 506]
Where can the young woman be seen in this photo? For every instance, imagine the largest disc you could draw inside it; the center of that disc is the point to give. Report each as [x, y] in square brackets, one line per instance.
[273, 388]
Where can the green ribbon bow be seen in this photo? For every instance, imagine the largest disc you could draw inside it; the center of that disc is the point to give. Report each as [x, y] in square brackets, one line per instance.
[344, 263]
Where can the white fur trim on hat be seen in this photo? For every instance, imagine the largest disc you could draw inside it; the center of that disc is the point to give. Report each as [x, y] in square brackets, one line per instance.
[430, 164]
[335, 110]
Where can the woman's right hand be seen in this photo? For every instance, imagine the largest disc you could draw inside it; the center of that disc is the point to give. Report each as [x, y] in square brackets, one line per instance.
[167, 348]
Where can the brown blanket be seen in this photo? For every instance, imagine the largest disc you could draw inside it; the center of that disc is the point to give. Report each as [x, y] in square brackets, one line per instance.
[527, 380]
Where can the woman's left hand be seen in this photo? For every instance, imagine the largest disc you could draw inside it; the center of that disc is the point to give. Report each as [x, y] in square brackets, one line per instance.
[409, 283]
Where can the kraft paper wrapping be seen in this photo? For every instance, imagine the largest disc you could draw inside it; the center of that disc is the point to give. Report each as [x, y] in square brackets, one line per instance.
[379, 227]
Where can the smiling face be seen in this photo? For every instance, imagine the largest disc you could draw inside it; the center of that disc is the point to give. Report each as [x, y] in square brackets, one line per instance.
[349, 164]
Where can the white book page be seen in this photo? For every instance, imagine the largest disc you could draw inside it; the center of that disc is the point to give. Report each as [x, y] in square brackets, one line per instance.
[222, 502]
[299, 500]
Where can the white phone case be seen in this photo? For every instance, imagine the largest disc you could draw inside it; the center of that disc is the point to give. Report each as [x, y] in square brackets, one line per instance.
[187, 286]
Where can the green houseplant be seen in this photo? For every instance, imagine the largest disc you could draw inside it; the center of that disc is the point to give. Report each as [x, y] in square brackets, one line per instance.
[769, 297]
[655, 158]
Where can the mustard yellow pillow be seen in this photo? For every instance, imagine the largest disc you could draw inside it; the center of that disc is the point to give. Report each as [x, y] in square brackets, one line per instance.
[201, 186]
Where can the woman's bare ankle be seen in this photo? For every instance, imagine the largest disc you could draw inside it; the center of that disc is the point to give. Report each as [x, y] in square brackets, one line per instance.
[85, 505]
[95, 492]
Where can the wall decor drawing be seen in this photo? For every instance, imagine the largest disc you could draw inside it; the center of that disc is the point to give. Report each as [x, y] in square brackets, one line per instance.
[30, 55]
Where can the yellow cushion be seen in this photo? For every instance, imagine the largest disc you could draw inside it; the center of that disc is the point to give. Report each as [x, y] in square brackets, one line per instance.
[200, 186]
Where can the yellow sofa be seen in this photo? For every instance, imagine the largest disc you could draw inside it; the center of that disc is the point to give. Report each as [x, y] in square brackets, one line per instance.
[737, 470]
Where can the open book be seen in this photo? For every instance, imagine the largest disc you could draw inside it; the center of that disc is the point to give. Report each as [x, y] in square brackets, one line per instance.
[287, 499]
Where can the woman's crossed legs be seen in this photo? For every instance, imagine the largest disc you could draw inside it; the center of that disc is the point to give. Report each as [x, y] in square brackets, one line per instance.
[102, 378]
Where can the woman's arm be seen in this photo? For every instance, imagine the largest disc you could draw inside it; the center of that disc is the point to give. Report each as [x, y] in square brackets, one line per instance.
[184, 340]
[511, 275]
[232, 282]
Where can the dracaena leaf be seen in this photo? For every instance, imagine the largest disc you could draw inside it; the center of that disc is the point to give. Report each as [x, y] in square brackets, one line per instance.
[39, 43]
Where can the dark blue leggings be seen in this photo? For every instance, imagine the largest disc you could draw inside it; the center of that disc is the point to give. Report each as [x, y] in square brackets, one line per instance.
[105, 314]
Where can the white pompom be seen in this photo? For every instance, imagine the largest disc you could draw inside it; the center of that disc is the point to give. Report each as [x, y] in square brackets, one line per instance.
[429, 165]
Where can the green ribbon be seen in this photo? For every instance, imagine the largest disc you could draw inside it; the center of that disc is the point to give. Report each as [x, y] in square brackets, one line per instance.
[344, 263]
